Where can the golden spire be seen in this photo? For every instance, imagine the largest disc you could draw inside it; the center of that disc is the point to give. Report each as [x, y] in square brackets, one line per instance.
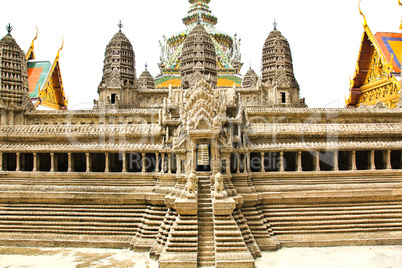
[400, 25]
[58, 52]
[31, 54]
[364, 17]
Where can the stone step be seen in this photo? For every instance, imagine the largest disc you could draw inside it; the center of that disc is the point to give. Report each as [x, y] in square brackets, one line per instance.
[181, 249]
[206, 264]
[40, 229]
[231, 244]
[66, 218]
[181, 244]
[228, 249]
[202, 258]
[344, 230]
[229, 239]
[337, 217]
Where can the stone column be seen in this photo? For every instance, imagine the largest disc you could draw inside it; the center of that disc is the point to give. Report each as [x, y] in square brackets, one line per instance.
[238, 162]
[124, 166]
[178, 164]
[317, 161]
[51, 162]
[88, 160]
[299, 161]
[193, 157]
[228, 171]
[262, 167]
[388, 159]
[1, 161]
[163, 163]
[372, 159]
[170, 163]
[35, 163]
[107, 164]
[157, 162]
[18, 162]
[353, 161]
[336, 164]
[70, 162]
[143, 163]
[281, 166]
[248, 162]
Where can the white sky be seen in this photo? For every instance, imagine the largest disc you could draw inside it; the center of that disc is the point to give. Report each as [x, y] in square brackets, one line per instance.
[324, 36]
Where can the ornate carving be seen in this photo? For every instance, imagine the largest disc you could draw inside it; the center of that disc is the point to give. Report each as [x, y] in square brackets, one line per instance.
[378, 69]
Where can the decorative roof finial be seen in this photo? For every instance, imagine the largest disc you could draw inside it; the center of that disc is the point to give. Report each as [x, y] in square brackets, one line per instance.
[120, 26]
[250, 65]
[146, 66]
[275, 24]
[9, 29]
[199, 18]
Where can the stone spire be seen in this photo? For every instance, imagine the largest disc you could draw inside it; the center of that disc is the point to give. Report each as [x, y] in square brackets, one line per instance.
[277, 71]
[250, 79]
[276, 56]
[14, 98]
[198, 55]
[119, 75]
[146, 80]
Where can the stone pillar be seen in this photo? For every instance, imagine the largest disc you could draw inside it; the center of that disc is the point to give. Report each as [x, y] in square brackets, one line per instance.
[262, 168]
[336, 164]
[170, 163]
[228, 171]
[317, 161]
[107, 164]
[372, 159]
[70, 162]
[299, 161]
[281, 166]
[163, 163]
[35, 163]
[237, 163]
[178, 164]
[157, 162]
[353, 161]
[51, 162]
[193, 157]
[388, 159]
[248, 162]
[124, 166]
[143, 163]
[1, 161]
[88, 160]
[18, 162]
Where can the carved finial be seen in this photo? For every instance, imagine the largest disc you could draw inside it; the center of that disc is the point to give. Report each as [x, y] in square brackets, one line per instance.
[146, 66]
[9, 29]
[199, 18]
[364, 17]
[275, 24]
[250, 65]
[120, 26]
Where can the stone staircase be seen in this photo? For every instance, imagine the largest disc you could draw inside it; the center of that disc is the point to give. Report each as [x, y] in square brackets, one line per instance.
[111, 226]
[336, 223]
[206, 240]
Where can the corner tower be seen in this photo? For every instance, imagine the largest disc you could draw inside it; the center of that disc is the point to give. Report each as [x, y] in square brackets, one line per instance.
[277, 71]
[118, 84]
[14, 98]
[198, 55]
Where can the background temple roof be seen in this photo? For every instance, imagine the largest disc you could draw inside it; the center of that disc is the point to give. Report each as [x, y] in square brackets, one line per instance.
[391, 46]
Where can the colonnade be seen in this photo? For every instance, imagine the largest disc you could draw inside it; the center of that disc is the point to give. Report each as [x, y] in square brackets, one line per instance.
[170, 163]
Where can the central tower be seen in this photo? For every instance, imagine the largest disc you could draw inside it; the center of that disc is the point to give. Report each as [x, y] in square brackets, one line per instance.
[198, 55]
[227, 49]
